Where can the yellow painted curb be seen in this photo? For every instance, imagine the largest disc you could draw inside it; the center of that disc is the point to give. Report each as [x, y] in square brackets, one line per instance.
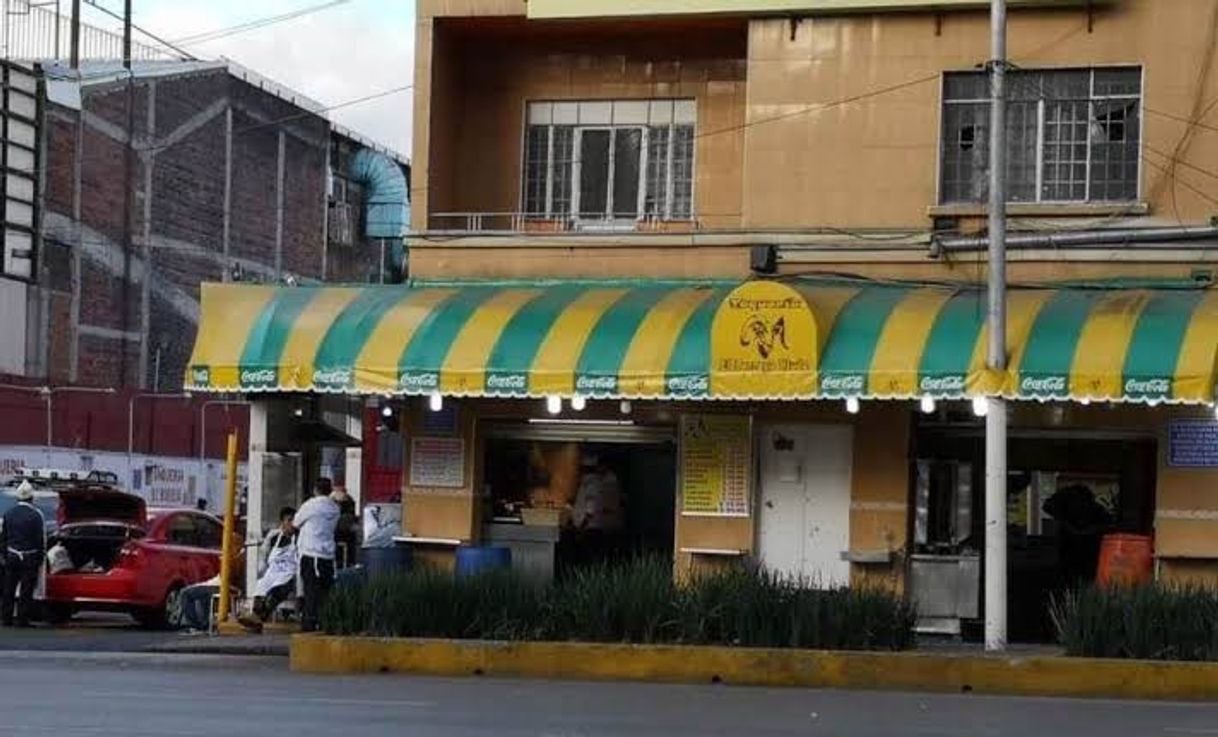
[1032, 676]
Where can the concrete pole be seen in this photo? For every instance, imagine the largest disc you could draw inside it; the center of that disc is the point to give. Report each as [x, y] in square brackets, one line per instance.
[996, 417]
[75, 51]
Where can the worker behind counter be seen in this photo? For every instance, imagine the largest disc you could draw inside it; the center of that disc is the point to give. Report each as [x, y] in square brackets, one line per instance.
[597, 515]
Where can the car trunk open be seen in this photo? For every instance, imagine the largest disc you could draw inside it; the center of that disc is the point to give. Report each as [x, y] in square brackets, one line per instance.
[95, 524]
[94, 547]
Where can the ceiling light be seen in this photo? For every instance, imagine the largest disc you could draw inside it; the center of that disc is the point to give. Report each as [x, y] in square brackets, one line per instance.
[436, 401]
[554, 404]
[927, 404]
[852, 405]
[578, 403]
[981, 406]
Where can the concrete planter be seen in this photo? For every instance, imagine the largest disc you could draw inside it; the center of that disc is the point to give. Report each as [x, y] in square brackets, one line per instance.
[1026, 676]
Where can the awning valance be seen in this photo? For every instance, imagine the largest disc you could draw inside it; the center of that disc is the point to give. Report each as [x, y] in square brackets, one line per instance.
[757, 340]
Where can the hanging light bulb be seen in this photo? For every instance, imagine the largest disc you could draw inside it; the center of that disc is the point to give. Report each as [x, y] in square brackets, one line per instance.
[981, 406]
[386, 410]
[927, 404]
[554, 404]
[436, 401]
[1085, 401]
[852, 405]
[578, 403]
[625, 407]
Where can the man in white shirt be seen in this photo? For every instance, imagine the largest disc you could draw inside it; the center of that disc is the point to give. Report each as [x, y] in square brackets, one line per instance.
[315, 523]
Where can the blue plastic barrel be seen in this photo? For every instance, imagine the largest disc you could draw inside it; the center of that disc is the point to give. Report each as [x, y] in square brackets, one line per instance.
[475, 559]
[382, 561]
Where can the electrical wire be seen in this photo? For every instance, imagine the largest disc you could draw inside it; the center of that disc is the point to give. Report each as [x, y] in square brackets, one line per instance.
[258, 24]
[118, 16]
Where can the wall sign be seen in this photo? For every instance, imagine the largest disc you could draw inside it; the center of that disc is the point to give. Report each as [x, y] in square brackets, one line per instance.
[763, 343]
[1192, 444]
[716, 461]
[437, 463]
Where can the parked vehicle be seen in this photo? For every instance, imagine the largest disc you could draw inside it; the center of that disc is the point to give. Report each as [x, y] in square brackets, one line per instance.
[125, 559]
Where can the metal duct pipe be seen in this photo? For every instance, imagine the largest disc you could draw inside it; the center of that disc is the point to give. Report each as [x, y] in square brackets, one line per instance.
[1073, 239]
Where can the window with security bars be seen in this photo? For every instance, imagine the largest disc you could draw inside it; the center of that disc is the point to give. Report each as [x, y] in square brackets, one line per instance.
[1073, 135]
[609, 160]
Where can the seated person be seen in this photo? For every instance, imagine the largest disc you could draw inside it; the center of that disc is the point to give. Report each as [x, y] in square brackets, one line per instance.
[278, 563]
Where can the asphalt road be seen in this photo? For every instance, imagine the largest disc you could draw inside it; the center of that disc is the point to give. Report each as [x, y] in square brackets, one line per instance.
[82, 695]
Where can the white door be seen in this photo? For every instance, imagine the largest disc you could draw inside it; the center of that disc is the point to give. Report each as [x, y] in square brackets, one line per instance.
[805, 501]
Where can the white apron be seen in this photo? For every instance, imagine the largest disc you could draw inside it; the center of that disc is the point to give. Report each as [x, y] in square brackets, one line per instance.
[280, 569]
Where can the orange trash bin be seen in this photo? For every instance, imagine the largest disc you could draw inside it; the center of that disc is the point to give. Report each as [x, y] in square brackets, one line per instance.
[1126, 560]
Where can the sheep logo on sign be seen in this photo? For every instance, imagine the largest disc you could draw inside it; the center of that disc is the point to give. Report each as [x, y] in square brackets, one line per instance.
[764, 335]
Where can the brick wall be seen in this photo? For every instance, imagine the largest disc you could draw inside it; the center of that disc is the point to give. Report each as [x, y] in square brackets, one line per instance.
[185, 220]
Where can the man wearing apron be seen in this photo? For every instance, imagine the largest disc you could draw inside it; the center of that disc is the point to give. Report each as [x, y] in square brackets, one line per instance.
[278, 581]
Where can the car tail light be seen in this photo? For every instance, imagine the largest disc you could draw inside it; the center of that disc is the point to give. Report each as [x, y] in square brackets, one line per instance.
[129, 555]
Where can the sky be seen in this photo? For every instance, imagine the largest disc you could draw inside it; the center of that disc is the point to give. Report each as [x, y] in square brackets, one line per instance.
[342, 53]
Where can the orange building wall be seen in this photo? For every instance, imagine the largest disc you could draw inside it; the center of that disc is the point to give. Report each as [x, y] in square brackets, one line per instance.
[853, 104]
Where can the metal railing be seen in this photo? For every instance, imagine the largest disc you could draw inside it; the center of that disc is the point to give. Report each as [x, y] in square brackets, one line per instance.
[521, 222]
[37, 30]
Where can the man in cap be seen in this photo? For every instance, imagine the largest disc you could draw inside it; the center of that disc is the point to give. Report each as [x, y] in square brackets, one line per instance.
[24, 544]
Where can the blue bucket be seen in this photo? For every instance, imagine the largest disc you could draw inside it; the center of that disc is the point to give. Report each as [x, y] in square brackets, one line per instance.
[382, 561]
[474, 559]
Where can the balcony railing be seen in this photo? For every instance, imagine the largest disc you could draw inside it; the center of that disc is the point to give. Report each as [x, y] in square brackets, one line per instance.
[525, 223]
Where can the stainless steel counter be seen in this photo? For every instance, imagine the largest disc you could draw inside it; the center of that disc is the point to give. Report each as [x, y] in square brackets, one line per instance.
[532, 546]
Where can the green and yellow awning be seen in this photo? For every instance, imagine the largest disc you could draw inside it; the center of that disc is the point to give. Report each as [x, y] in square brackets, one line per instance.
[751, 340]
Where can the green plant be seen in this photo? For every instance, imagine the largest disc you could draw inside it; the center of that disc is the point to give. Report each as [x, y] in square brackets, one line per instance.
[1150, 622]
[634, 600]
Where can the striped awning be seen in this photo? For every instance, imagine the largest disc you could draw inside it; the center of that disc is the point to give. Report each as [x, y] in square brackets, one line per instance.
[756, 340]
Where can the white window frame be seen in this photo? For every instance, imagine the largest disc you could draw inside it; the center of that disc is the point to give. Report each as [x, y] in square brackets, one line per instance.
[610, 215]
[1092, 98]
[674, 119]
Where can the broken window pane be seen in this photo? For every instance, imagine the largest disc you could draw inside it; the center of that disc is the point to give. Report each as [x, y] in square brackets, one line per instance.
[1073, 135]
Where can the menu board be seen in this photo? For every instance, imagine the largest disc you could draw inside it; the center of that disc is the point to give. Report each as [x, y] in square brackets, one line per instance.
[437, 463]
[716, 465]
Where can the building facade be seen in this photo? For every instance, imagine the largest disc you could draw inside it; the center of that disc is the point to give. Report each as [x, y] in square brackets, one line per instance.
[131, 190]
[733, 254]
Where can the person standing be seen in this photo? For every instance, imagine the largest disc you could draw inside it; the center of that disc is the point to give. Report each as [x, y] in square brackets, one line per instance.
[24, 544]
[316, 523]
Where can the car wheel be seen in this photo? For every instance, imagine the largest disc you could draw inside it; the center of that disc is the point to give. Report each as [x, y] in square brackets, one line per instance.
[173, 608]
[167, 616]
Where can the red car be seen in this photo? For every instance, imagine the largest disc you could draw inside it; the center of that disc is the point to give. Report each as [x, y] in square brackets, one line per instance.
[126, 559]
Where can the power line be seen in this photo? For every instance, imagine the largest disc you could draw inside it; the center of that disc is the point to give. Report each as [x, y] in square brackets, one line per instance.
[219, 33]
[185, 54]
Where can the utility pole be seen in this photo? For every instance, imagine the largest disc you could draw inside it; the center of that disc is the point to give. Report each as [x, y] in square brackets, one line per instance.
[127, 35]
[996, 416]
[76, 34]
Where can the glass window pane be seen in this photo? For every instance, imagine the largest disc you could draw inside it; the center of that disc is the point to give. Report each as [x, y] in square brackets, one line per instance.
[1065, 154]
[966, 152]
[537, 152]
[594, 173]
[966, 86]
[682, 172]
[1021, 151]
[562, 159]
[1115, 135]
[1118, 81]
[1069, 84]
[627, 150]
[656, 204]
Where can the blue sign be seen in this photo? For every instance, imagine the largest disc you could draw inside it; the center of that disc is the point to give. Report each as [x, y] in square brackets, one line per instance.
[1192, 444]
